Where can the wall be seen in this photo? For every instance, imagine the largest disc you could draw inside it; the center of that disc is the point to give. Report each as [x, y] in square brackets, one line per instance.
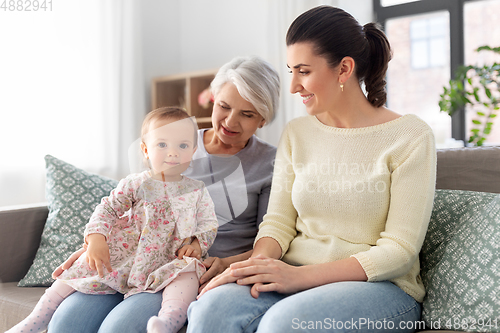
[191, 35]
[213, 32]
[161, 38]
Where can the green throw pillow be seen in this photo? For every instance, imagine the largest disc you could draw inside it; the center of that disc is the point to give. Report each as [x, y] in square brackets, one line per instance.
[461, 262]
[72, 195]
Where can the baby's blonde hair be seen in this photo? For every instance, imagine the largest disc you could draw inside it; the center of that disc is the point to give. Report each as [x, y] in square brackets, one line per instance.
[166, 113]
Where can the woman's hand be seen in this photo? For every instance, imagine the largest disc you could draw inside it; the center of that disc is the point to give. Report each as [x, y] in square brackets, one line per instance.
[67, 264]
[266, 274]
[215, 266]
[98, 253]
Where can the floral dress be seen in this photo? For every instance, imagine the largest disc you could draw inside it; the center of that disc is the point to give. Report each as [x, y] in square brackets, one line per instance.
[145, 222]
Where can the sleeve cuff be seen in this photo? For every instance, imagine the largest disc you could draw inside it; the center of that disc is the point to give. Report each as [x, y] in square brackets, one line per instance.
[367, 266]
[267, 231]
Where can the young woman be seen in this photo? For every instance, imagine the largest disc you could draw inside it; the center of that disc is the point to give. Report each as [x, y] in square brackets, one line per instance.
[351, 199]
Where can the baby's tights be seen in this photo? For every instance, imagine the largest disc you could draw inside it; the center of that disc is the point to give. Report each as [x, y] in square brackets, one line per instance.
[176, 298]
[39, 319]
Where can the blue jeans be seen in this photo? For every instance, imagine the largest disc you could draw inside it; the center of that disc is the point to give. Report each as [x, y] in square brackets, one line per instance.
[336, 307]
[82, 313]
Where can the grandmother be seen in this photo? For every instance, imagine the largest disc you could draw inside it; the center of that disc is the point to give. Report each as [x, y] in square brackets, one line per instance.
[236, 167]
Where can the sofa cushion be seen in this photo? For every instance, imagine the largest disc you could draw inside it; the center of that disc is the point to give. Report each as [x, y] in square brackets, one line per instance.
[461, 262]
[72, 195]
[16, 303]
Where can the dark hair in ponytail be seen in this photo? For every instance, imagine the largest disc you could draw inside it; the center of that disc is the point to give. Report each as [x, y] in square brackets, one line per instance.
[380, 55]
[335, 34]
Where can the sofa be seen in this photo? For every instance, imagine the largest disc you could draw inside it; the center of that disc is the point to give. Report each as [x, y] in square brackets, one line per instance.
[461, 173]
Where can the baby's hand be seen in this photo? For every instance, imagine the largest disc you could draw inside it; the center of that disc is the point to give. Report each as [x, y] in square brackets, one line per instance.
[98, 253]
[190, 250]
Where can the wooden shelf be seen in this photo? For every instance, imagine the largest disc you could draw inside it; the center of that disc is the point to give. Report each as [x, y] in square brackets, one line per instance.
[183, 90]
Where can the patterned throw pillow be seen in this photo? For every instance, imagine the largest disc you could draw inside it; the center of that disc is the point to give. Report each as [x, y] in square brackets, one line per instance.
[461, 262]
[72, 195]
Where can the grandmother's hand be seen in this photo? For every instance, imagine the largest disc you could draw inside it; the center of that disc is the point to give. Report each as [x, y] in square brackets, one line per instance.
[219, 280]
[67, 264]
[266, 274]
[215, 266]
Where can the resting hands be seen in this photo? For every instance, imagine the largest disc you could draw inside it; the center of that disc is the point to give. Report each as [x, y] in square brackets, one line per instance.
[264, 274]
[101, 252]
[214, 266]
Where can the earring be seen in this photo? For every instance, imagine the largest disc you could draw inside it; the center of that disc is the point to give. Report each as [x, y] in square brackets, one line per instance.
[342, 87]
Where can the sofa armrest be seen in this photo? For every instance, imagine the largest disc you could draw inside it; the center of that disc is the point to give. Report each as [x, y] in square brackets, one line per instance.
[20, 233]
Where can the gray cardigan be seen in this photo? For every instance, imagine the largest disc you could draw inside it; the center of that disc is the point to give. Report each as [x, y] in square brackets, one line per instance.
[239, 186]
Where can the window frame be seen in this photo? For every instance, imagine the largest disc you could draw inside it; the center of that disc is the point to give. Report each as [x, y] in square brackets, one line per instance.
[427, 39]
[457, 39]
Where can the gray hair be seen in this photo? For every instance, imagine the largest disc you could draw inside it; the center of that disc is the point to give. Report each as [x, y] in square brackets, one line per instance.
[256, 80]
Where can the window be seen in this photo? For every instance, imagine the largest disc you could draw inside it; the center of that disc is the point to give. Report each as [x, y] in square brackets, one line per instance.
[386, 3]
[482, 28]
[429, 41]
[434, 38]
[419, 68]
[61, 85]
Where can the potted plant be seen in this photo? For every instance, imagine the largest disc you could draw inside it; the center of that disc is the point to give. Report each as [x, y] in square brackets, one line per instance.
[476, 87]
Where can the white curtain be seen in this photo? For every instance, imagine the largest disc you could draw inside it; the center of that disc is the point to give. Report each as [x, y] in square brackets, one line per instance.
[70, 87]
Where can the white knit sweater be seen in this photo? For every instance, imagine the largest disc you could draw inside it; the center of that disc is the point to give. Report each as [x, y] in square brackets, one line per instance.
[361, 192]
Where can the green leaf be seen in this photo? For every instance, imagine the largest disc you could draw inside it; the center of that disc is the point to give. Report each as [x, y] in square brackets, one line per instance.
[476, 96]
[488, 48]
[477, 78]
[488, 92]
